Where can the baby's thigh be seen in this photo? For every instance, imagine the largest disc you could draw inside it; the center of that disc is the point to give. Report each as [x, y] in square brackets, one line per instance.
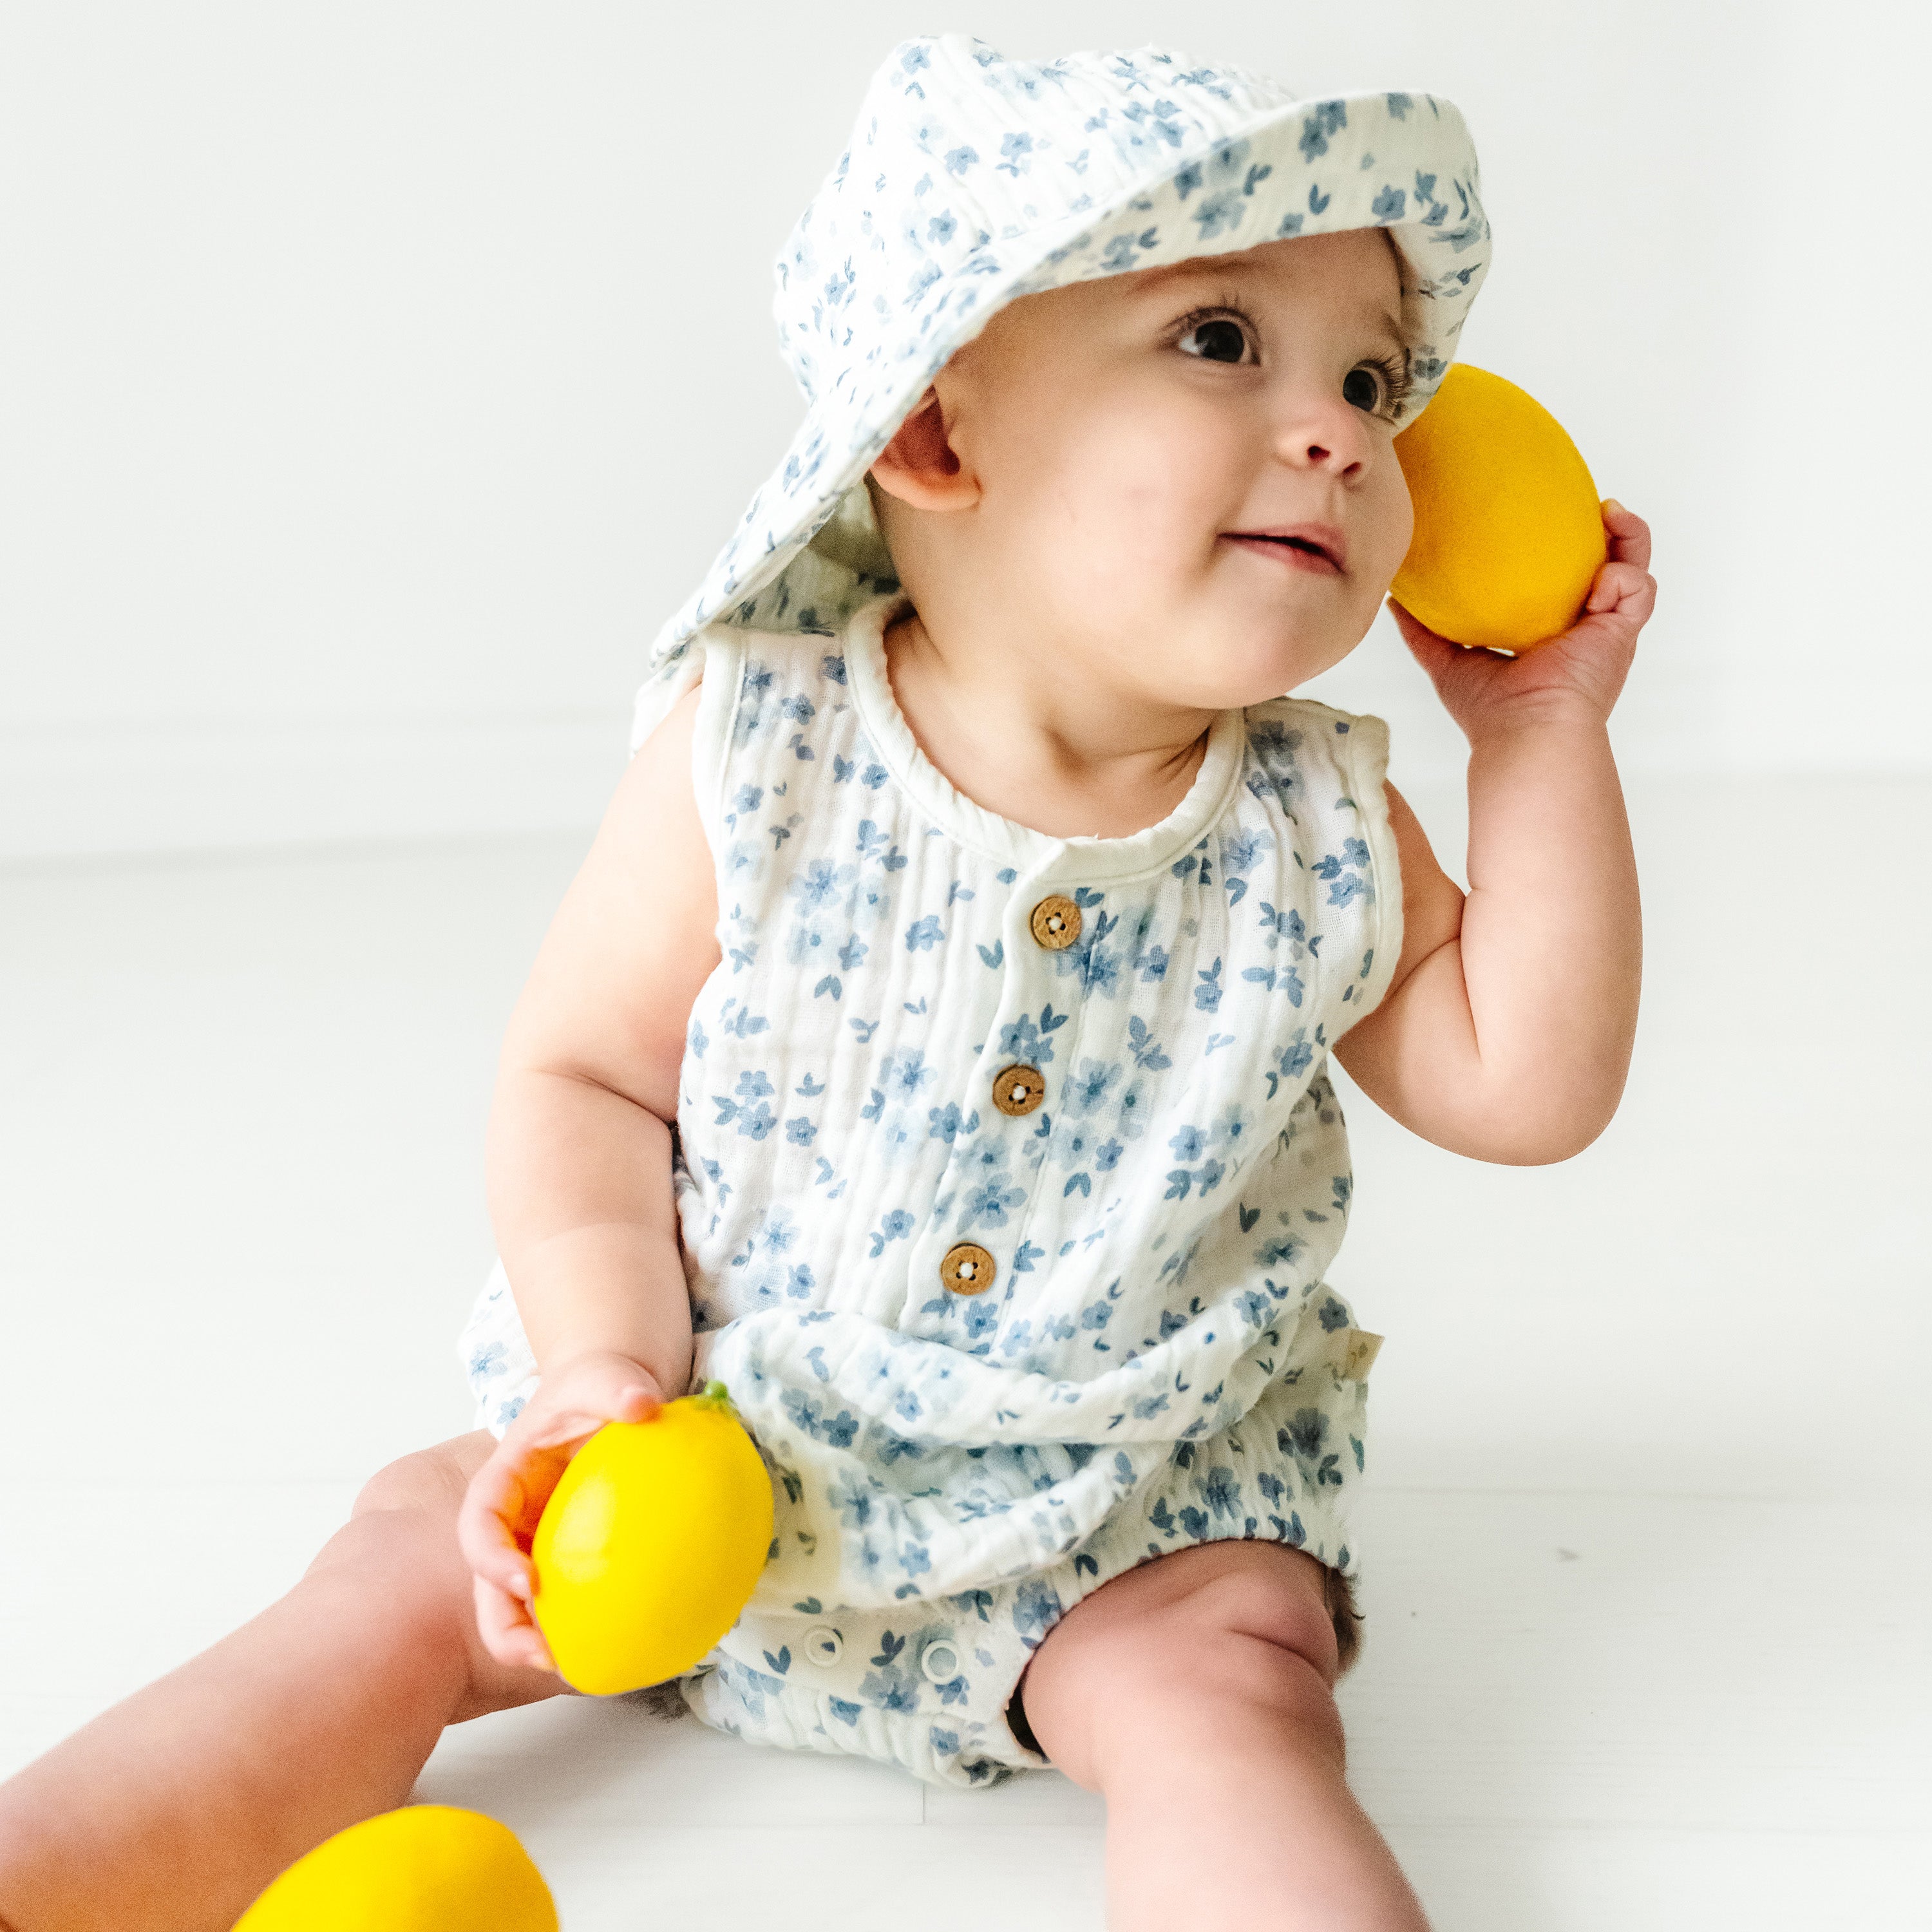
[1154, 1652]
[400, 1546]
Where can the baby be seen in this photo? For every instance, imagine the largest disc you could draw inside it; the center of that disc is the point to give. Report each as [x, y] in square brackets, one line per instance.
[935, 1043]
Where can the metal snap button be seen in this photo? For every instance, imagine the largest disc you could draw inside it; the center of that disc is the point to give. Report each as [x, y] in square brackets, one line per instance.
[1055, 922]
[1018, 1090]
[967, 1269]
[939, 1662]
[823, 1645]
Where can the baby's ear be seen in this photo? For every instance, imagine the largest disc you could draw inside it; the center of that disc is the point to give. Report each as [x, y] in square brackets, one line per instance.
[920, 466]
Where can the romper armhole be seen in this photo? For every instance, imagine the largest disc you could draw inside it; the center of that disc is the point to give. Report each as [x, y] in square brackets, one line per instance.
[722, 674]
[1365, 760]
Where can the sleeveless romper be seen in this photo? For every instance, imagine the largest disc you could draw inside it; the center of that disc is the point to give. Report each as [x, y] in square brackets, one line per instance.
[1009, 1167]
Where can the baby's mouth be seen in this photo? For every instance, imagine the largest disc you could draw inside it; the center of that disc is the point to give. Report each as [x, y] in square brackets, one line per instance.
[1322, 550]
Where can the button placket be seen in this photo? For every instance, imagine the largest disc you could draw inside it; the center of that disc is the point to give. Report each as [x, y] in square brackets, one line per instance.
[1051, 922]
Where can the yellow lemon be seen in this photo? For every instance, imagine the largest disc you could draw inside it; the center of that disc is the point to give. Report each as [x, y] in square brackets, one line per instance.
[651, 1544]
[1509, 532]
[425, 1868]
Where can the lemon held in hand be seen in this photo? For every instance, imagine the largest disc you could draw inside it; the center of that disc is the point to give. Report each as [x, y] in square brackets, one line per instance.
[1509, 531]
[425, 1868]
[651, 1544]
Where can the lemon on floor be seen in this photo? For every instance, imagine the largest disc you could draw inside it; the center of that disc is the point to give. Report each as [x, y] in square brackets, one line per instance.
[424, 1868]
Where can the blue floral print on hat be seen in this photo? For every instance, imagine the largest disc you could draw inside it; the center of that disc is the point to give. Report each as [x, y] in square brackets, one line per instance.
[971, 179]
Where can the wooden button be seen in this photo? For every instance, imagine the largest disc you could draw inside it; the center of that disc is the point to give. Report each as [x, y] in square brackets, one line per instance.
[1018, 1090]
[1056, 922]
[967, 1269]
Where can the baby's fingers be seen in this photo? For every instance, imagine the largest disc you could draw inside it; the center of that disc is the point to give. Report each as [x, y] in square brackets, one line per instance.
[1629, 534]
[508, 1631]
[1435, 653]
[1626, 589]
[494, 1500]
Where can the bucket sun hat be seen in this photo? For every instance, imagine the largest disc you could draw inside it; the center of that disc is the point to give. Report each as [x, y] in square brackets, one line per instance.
[971, 179]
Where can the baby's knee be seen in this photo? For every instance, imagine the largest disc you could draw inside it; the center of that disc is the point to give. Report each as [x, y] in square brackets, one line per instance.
[432, 1479]
[1239, 1661]
[1167, 1704]
[403, 1564]
[399, 1548]
[1175, 1664]
[396, 1573]
[1250, 1603]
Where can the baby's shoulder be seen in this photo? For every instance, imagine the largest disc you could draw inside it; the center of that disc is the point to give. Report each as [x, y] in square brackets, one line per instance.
[1301, 735]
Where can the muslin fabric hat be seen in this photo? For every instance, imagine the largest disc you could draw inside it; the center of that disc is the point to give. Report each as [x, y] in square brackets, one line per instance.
[971, 179]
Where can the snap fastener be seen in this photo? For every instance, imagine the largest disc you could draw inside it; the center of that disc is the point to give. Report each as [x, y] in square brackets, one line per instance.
[967, 1269]
[939, 1662]
[1056, 921]
[823, 1645]
[1018, 1090]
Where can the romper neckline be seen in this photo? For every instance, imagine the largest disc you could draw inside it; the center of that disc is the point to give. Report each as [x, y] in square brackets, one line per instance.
[1038, 854]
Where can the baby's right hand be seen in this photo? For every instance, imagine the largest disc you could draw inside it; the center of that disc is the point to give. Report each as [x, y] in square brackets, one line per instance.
[506, 1496]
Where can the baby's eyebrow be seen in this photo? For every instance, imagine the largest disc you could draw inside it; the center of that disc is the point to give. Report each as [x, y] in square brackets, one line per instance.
[1196, 268]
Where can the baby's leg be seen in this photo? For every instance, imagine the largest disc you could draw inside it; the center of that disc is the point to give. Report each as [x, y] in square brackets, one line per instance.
[1194, 1693]
[172, 1810]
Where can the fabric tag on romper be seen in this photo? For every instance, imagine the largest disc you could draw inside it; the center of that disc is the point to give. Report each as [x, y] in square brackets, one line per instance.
[1359, 1357]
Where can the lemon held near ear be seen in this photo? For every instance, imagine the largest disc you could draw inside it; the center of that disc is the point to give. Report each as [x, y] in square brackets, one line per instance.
[1509, 530]
[425, 1868]
[651, 1544]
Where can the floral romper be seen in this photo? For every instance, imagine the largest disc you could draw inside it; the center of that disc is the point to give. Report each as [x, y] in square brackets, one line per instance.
[1008, 1168]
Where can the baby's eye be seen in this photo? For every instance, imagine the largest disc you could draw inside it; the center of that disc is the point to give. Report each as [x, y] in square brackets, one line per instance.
[1380, 385]
[1362, 387]
[1222, 340]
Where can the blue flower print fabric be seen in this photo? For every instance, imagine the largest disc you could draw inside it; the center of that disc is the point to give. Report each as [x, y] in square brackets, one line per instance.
[1157, 1360]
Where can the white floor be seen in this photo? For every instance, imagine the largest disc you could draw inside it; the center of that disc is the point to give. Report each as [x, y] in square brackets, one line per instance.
[1649, 1539]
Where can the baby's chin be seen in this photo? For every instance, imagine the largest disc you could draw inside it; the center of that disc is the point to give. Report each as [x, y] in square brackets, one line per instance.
[1229, 647]
[1258, 662]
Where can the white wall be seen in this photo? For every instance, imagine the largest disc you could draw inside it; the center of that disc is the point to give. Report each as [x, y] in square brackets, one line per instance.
[376, 375]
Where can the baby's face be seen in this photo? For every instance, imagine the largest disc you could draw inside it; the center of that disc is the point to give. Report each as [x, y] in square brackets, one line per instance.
[1127, 436]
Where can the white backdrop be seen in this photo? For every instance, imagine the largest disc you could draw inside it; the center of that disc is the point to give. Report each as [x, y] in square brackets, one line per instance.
[376, 375]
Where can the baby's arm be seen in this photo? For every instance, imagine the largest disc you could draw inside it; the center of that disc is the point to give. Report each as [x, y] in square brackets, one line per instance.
[580, 1159]
[1506, 1032]
[579, 1144]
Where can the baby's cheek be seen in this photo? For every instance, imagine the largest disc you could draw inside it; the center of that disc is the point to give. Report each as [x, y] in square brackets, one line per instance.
[1110, 556]
[1388, 527]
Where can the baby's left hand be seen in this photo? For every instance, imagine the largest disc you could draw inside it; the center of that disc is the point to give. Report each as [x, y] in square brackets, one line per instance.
[1578, 674]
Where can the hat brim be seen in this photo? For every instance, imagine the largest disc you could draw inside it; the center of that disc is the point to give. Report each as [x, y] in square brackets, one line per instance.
[1399, 161]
